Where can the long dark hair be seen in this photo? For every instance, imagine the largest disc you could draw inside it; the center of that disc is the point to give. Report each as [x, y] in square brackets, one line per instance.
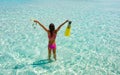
[51, 28]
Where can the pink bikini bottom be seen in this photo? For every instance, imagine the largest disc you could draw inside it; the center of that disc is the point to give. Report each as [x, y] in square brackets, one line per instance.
[52, 46]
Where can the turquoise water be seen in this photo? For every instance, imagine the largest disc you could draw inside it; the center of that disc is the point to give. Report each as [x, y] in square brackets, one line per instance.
[92, 49]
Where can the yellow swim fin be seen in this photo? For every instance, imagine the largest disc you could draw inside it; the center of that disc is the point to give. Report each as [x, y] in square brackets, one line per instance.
[68, 29]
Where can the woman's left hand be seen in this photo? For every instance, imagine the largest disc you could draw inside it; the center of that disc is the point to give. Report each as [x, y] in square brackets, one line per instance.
[36, 21]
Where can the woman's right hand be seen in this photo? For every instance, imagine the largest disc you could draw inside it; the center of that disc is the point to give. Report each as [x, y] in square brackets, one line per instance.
[67, 20]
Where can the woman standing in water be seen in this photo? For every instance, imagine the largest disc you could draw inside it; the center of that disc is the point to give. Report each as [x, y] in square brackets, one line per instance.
[52, 33]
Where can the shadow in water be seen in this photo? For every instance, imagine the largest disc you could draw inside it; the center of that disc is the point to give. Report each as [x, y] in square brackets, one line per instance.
[19, 66]
[41, 62]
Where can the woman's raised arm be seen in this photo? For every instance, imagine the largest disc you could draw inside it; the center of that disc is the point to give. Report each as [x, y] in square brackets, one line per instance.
[61, 25]
[41, 25]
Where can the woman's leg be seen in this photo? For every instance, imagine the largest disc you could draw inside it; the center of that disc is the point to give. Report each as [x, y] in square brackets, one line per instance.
[54, 53]
[49, 53]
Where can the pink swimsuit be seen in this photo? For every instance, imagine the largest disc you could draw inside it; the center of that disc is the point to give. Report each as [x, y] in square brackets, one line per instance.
[53, 45]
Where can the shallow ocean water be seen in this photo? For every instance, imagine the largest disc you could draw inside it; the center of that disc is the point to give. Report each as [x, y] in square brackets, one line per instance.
[92, 49]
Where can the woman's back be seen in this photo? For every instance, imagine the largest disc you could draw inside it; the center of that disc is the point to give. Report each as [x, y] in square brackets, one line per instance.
[52, 36]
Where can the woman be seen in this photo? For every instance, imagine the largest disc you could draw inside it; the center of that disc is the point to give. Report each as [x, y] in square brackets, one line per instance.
[52, 32]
